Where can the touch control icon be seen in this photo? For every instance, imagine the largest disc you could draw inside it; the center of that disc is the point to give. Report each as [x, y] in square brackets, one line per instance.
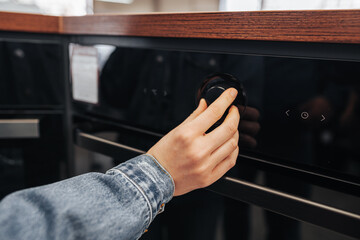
[304, 115]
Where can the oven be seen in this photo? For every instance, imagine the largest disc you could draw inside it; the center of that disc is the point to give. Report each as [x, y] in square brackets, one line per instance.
[114, 85]
[302, 168]
[32, 106]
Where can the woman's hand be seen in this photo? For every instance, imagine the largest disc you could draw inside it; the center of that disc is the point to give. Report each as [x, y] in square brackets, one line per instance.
[195, 159]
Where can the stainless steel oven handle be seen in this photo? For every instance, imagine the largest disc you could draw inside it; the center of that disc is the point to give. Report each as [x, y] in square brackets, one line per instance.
[19, 128]
[273, 200]
[289, 205]
[102, 145]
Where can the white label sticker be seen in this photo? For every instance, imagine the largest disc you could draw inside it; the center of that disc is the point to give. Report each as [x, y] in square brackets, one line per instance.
[84, 73]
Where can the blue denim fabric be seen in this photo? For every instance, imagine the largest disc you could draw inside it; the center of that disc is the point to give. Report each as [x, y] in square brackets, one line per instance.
[120, 204]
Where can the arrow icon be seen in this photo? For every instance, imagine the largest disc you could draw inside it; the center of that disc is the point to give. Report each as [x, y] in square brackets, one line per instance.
[322, 118]
[287, 113]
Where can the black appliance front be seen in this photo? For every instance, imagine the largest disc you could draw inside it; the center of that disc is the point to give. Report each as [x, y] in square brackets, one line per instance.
[30, 75]
[307, 110]
[32, 142]
[33, 157]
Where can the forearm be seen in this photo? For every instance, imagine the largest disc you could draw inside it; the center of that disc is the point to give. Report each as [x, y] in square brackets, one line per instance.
[118, 205]
[122, 203]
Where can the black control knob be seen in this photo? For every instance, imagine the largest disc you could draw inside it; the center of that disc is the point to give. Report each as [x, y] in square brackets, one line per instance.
[214, 85]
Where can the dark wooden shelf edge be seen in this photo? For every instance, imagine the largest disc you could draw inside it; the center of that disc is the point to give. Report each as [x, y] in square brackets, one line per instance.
[328, 26]
[324, 26]
[34, 23]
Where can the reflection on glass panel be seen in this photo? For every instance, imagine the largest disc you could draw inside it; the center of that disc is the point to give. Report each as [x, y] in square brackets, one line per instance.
[30, 74]
[11, 170]
[298, 111]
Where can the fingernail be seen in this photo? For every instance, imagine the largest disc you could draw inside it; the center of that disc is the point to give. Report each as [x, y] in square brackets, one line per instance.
[233, 92]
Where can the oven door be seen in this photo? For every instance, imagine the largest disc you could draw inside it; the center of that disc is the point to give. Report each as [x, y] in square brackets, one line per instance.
[31, 153]
[303, 163]
[32, 113]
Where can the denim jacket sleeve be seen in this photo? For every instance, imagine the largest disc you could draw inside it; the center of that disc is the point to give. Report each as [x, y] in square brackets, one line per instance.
[120, 204]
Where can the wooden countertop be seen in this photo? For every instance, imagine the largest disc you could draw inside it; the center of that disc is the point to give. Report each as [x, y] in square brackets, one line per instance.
[23, 22]
[328, 26]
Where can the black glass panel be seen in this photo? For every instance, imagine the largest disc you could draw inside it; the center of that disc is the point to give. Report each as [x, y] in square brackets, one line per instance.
[308, 108]
[30, 162]
[30, 75]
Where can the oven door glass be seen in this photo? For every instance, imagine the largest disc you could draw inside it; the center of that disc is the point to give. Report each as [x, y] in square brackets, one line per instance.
[31, 160]
[301, 117]
[30, 75]
[307, 110]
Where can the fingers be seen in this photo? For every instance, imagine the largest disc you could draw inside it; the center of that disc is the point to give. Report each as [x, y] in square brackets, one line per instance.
[225, 150]
[225, 131]
[214, 112]
[225, 165]
[201, 108]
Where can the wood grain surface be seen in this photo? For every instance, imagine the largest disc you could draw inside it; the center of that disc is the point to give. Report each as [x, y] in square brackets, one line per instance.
[24, 22]
[312, 26]
[333, 26]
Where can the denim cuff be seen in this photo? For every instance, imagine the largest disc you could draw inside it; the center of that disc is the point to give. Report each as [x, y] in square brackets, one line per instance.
[151, 179]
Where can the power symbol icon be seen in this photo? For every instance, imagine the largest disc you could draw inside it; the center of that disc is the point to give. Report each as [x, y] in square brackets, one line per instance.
[304, 115]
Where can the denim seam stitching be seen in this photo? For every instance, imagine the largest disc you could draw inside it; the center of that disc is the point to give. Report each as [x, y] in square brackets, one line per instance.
[162, 169]
[140, 190]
